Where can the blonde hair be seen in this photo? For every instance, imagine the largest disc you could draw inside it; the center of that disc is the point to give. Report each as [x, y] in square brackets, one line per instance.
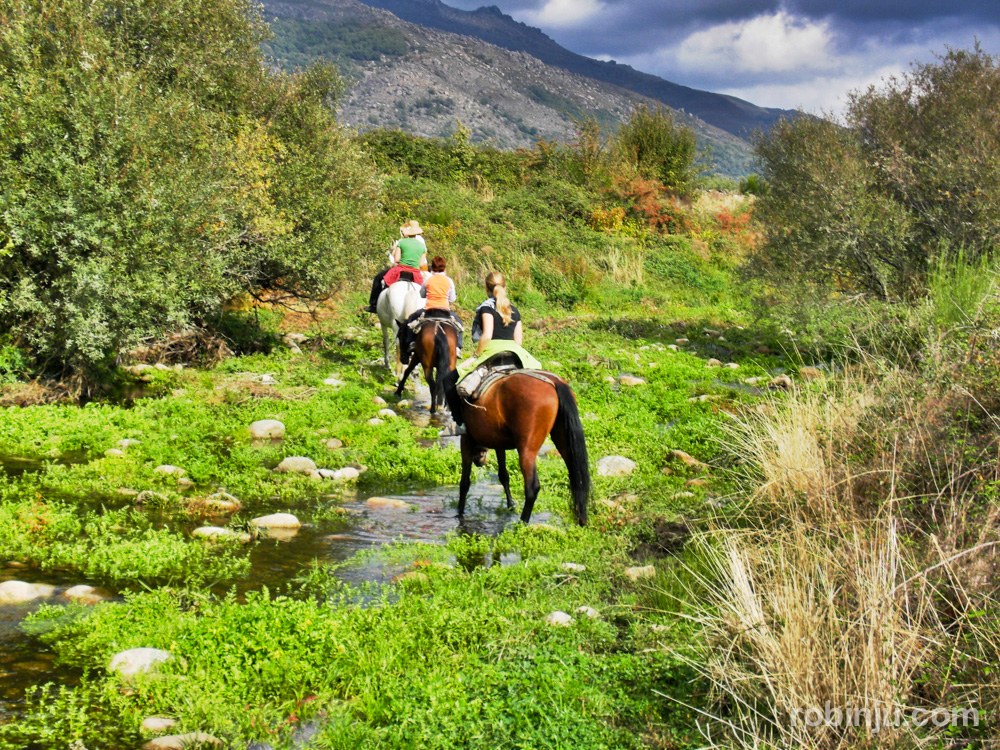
[495, 285]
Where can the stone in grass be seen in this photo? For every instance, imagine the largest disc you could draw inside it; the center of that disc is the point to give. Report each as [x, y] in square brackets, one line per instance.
[781, 382]
[169, 470]
[404, 404]
[558, 619]
[267, 429]
[378, 401]
[387, 413]
[136, 660]
[333, 382]
[148, 496]
[588, 612]
[218, 532]
[16, 592]
[713, 363]
[732, 365]
[386, 502]
[631, 380]
[573, 567]
[347, 474]
[682, 342]
[183, 483]
[334, 444]
[84, 594]
[223, 502]
[690, 461]
[157, 724]
[615, 466]
[376, 421]
[696, 483]
[187, 741]
[640, 571]
[113, 453]
[127, 443]
[277, 521]
[296, 465]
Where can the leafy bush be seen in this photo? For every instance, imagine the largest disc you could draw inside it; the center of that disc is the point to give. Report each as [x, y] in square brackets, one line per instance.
[151, 169]
[861, 208]
[657, 148]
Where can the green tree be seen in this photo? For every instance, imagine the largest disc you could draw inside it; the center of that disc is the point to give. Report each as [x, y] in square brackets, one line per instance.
[659, 149]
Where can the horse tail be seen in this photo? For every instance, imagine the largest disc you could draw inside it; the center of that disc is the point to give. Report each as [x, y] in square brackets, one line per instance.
[574, 450]
[442, 362]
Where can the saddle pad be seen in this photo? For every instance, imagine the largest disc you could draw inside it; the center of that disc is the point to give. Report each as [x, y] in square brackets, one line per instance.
[495, 376]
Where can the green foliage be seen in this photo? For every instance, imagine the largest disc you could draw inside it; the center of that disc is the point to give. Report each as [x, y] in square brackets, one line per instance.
[150, 169]
[862, 208]
[754, 184]
[657, 148]
[958, 289]
[298, 43]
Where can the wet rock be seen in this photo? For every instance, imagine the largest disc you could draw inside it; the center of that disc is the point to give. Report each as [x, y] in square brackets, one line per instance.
[781, 382]
[387, 413]
[631, 380]
[378, 401]
[148, 496]
[615, 466]
[386, 502]
[347, 474]
[183, 483]
[573, 567]
[277, 521]
[333, 382]
[404, 404]
[689, 461]
[16, 592]
[639, 572]
[713, 363]
[113, 453]
[84, 594]
[267, 429]
[296, 465]
[136, 660]
[333, 444]
[182, 741]
[811, 373]
[169, 470]
[558, 619]
[157, 724]
[127, 443]
[223, 502]
[588, 612]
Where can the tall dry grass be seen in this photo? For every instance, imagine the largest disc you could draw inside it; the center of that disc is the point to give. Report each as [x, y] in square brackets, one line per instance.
[829, 596]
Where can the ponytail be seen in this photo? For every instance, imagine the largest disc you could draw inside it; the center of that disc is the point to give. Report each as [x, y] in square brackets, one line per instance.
[495, 285]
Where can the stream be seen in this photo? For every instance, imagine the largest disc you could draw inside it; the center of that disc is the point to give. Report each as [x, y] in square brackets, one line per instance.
[429, 516]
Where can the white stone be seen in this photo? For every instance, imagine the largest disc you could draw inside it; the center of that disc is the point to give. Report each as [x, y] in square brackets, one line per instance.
[378, 401]
[588, 612]
[214, 532]
[347, 474]
[333, 382]
[573, 567]
[631, 380]
[277, 521]
[386, 502]
[113, 453]
[387, 413]
[84, 594]
[713, 363]
[264, 429]
[15, 592]
[375, 421]
[127, 443]
[333, 444]
[615, 466]
[157, 724]
[327, 473]
[640, 571]
[296, 465]
[135, 660]
[268, 379]
[223, 501]
[682, 342]
[161, 367]
[182, 741]
[404, 404]
[173, 471]
[732, 365]
[558, 619]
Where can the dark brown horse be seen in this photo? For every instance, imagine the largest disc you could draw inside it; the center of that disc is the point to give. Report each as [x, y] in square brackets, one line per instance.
[518, 413]
[435, 350]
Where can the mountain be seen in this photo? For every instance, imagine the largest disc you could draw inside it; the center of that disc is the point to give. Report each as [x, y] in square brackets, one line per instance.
[424, 81]
[729, 113]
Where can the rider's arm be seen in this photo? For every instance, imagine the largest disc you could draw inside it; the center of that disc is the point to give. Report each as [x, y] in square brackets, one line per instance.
[423, 262]
[487, 334]
[396, 253]
[518, 333]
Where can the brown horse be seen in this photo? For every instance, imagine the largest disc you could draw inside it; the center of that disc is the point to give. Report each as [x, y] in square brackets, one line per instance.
[517, 414]
[435, 350]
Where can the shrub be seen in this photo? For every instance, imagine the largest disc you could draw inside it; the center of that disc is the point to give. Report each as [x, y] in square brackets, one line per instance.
[660, 151]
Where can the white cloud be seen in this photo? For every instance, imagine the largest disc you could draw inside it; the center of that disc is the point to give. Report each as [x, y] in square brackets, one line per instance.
[559, 14]
[770, 43]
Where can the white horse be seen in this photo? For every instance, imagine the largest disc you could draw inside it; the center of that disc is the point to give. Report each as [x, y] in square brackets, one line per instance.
[395, 305]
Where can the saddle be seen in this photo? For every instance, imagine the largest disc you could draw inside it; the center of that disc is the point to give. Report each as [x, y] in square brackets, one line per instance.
[500, 366]
[435, 316]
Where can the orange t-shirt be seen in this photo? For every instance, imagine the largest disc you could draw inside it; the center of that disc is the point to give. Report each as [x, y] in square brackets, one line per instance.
[440, 292]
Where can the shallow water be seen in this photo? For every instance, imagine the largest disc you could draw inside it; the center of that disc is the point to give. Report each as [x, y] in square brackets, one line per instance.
[15, 466]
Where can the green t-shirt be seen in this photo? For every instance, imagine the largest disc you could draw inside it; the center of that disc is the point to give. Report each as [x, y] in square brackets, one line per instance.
[410, 252]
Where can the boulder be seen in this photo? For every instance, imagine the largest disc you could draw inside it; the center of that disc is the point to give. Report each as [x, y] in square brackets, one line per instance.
[16, 592]
[157, 724]
[136, 660]
[277, 521]
[638, 572]
[84, 594]
[187, 741]
[615, 466]
[172, 471]
[296, 465]
[267, 429]
[558, 619]
[631, 380]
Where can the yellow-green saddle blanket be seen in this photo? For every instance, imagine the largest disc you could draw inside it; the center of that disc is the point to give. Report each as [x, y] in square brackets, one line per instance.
[493, 348]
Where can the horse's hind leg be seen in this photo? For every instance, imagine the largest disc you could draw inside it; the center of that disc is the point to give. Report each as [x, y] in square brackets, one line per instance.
[529, 470]
[463, 487]
[504, 476]
[385, 345]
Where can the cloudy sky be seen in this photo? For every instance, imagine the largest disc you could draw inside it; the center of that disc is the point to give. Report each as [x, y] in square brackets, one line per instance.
[798, 54]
